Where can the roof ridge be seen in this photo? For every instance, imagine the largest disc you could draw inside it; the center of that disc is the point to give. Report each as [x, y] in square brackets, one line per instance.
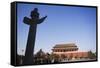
[65, 45]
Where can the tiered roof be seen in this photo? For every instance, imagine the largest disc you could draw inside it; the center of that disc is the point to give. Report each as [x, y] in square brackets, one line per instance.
[69, 46]
[65, 45]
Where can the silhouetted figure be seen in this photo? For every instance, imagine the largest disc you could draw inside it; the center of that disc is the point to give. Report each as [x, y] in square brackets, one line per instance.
[33, 21]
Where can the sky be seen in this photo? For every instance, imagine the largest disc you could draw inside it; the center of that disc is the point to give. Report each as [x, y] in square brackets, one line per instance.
[64, 24]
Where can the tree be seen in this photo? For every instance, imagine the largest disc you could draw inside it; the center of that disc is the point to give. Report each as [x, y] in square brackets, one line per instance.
[54, 57]
[63, 56]
[91, 55]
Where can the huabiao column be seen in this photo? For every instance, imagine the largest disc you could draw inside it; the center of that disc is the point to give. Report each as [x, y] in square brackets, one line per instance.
[32, 22]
